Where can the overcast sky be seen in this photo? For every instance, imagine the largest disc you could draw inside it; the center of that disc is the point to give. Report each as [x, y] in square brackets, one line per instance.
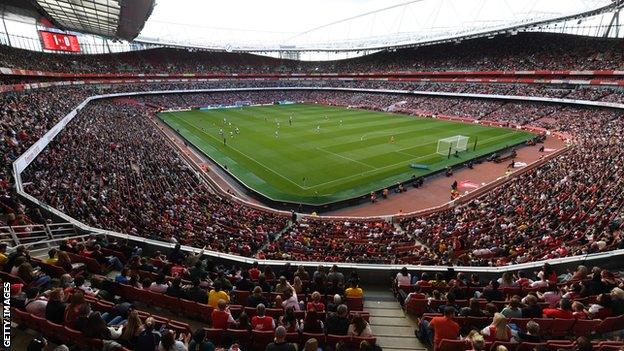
[254, 22]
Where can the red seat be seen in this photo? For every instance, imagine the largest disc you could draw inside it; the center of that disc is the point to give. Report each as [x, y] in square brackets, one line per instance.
[294, 337]
[261, 338]
[606, 325]
[555, 345]
[585, 327]
[75, 336]
[38, 323]
[416, 307]
[331, 340]
[478, 322]
[407, 288]
[520, 322]
[179, 327]
[544, 323]
[511, 346]
[204, 310]
[355, 341]
[57, 331]
[190, 309]
[453, 345]
[354, 304]
[165, 301]
[240, 296]
[214, 335]
[561, 327]
[242, 337]
[236, 310]
[251, 311]
[320, 337]
[18, 316]
[274, 312]
[530, 346]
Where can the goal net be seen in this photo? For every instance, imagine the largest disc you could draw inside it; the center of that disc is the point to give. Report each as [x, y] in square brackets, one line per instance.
[449, 146]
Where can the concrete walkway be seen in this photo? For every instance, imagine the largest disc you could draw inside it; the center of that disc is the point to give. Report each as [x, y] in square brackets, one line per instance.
[393, 329]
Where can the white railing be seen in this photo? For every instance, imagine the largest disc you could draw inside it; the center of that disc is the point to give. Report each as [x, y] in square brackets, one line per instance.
[72, 232]
[27, 157]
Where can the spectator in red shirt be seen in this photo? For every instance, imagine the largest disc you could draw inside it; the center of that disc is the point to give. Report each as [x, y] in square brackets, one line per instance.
[315, 303]
[498, 330]
[579, 310]
[564, 311]
[260, 321]
[221, 317]
[254, 272]
[439, 328]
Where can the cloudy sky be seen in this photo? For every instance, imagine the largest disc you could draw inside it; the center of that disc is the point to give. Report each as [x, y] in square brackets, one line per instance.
[238, 23]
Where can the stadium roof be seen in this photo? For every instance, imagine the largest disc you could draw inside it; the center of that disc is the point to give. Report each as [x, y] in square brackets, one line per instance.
[122, 19]
[350, 25]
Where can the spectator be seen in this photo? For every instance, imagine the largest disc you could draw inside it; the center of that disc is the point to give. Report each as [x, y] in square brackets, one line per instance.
[315, 303]
[312, 345]
[290, 300]
[532, 333]
[473, 309]
[149, 338]
[221, 317]
[168, 341]
[216, 294]
[338, 323]
[439, 328]
[199, 342]
[280, 343]
[261, 321]
[354, 291]
[243, 322]
[55, 308]
[256, 298]
[359, 327]
[532, 309]
[132, 329]
[289, 321]
[513, 310]
[492, 292]
[403, 277]
[160, 285]
[96, 328]
[564, 311]
[312, 323]
[35, 304]
[498, 330]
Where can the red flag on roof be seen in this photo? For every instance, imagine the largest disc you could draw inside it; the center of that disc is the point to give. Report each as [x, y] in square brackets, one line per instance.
[45, 22]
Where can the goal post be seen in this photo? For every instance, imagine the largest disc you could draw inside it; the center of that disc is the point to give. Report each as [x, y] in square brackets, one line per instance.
[448, 146]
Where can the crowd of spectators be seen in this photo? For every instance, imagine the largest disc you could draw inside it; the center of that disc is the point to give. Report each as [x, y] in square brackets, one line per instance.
[258, 298]
[515, 308]
[525, 51]
[116, 171]
[348, 241]
[118, 181]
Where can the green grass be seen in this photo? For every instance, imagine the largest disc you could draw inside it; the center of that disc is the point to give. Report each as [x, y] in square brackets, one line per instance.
[342, 161]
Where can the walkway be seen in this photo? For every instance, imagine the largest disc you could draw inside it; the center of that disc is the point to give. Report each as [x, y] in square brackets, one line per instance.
[393, 329]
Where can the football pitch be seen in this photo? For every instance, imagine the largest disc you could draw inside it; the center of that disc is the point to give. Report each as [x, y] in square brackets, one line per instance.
[327, 153]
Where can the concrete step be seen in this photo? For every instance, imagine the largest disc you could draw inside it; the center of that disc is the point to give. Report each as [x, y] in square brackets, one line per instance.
[385, 312]
[390, 341]
[397, 330]
[381, 304]
[389, 321]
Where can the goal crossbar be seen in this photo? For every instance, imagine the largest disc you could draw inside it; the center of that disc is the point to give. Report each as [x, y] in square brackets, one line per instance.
[451, 145]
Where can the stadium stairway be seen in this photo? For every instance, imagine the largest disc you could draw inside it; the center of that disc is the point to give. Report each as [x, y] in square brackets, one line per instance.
[393, 329]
